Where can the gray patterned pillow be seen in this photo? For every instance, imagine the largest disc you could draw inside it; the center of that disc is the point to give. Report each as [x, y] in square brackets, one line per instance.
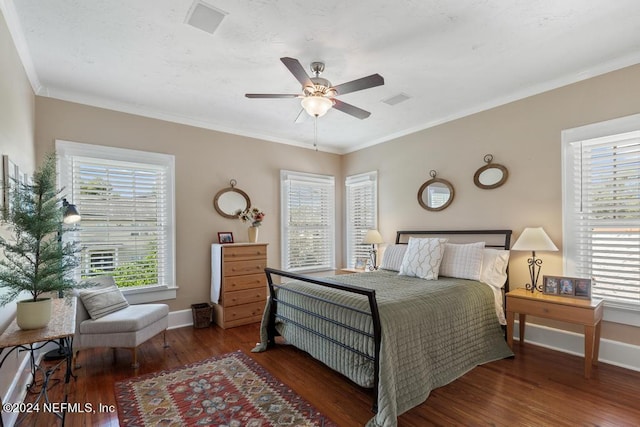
[423, 258]
[102, 301]
[392, 257]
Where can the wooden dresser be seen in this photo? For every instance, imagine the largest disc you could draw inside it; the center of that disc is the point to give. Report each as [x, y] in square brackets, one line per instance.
[238, 283]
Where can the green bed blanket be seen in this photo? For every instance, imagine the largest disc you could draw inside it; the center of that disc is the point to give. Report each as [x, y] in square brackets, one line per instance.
[433, 331]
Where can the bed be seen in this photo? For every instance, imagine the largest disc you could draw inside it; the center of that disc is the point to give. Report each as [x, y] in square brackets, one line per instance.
[403, 329]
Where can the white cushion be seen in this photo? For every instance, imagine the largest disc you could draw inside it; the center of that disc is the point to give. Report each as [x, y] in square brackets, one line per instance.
[422, 258]
[130, 319]
[393, 256]
[494, 267]
[462, 261]
[102, 301]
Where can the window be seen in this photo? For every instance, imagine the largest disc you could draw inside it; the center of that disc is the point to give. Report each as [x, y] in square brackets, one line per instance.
[308, 221]
[100, 261]
[125, 198]
[362, 208]
[602, 208]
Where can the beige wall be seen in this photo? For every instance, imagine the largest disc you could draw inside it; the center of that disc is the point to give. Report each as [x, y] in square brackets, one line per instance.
[525, 137]
[17, 117]
[205, 162]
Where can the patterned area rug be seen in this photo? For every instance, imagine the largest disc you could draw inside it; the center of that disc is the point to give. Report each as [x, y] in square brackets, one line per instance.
[225, 390]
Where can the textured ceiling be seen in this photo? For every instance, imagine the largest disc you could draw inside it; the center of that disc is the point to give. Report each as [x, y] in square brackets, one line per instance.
[451, 57]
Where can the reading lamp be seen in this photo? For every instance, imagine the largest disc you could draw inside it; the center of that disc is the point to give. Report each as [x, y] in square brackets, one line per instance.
[70, 215]
[373, 238]
[534, 239]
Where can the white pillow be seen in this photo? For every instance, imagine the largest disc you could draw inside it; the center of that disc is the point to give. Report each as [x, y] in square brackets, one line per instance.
[422, 258]
[393, 256]
[102, 301]
[462, 261]
[494, 267]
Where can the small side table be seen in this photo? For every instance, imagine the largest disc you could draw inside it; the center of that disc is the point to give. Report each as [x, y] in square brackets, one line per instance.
[59, 331]
[573, 310]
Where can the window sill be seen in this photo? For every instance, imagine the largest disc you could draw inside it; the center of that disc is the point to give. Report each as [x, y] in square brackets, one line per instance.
[149, 294]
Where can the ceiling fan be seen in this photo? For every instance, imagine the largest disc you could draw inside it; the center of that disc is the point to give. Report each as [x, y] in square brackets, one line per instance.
[318, 96]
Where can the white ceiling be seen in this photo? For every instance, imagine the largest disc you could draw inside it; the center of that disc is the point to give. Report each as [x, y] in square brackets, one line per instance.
[452, 57]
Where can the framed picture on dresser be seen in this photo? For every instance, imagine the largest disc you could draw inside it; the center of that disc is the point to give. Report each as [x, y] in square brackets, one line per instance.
[225, 237]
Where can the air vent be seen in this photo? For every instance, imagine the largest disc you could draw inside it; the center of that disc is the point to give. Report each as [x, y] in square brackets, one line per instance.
[205, 17]
[396, 99]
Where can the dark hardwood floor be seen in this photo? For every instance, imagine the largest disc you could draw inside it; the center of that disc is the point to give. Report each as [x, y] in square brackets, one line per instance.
[539, 387]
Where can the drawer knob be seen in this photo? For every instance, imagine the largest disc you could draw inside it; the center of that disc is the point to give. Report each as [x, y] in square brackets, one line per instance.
[545, 309]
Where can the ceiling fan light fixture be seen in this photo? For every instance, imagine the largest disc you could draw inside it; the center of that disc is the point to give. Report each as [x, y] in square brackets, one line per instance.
[316, 106]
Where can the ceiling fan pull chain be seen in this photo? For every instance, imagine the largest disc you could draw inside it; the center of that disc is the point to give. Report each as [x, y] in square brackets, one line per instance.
[315, 132]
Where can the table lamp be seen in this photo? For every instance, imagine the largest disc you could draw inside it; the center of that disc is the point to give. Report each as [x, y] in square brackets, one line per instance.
[373, 238]
[534, 239]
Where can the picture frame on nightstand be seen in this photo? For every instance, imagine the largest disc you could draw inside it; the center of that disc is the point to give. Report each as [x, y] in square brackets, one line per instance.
[583, 288]
[550, 285]
[573, 287]
[361, 263]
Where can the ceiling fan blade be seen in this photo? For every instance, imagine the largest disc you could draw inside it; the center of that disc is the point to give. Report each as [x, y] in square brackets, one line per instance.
[297, 70]
[270, 95]
[363, 83]
[350, 109]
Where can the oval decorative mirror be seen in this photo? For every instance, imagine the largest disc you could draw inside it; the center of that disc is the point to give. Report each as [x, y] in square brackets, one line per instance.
[435, 194]
[491, 175]
[230, 200]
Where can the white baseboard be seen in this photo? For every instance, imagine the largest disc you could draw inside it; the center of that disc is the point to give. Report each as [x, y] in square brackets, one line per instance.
[180, 318]
[612, 352]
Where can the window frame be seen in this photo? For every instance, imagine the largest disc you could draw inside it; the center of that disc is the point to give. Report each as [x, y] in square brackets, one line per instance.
[326, 181]
[354, 234]
[625, 313]
[67, 150]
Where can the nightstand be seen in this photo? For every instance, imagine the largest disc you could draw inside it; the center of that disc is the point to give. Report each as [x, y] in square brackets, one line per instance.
[573, 310]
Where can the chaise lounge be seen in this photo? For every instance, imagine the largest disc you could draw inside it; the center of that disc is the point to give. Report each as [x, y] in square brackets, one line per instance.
[105, 319]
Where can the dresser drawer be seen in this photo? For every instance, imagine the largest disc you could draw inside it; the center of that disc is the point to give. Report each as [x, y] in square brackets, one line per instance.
[247, 281]
[253, 310]
[232, 253]
[244, 297]
[237, 268]
[562, 312]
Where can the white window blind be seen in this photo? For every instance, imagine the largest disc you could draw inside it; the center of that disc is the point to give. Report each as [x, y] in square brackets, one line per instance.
[125, 199]
[308, 221]
[602, 215]
[362, 208]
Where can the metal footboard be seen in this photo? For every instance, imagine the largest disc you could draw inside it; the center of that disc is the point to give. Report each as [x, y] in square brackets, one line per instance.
[373, 313]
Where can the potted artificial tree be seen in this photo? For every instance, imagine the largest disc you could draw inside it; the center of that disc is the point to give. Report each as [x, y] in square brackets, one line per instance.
[35, 259]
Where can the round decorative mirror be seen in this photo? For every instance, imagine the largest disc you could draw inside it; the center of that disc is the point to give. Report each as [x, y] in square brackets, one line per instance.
[435, 194]
[491, 175]
[230, 200]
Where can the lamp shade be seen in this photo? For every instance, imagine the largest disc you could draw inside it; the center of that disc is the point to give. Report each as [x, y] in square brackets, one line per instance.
[316, 105]
[70, 213]
[534, 239]
[372, 237]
